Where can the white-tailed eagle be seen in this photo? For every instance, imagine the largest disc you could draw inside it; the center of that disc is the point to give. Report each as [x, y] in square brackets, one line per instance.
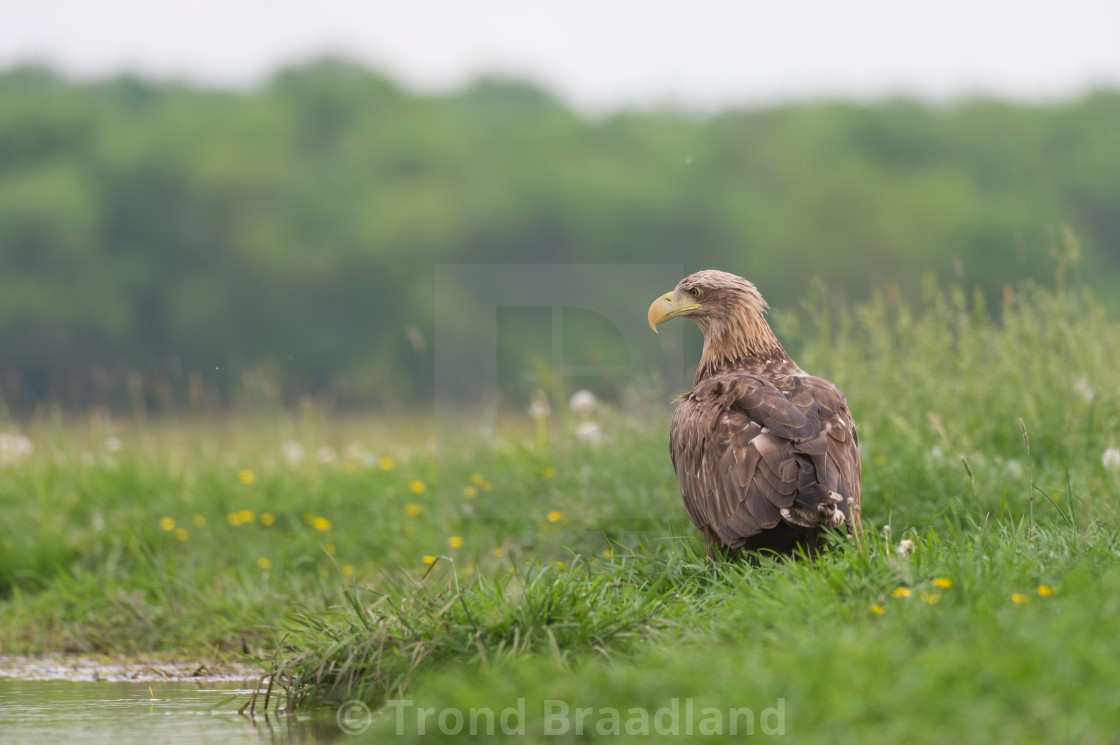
[765, 454]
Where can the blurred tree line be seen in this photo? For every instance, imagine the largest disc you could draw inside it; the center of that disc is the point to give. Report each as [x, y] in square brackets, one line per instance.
[176, 246]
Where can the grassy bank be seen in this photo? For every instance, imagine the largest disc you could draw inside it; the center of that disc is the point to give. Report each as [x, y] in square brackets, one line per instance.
[357, 561]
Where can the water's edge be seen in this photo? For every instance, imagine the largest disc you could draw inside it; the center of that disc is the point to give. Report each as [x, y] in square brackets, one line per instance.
[99, 701]
[115, 669]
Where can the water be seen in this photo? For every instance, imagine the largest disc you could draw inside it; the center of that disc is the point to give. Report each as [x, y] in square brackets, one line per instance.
[127, 712]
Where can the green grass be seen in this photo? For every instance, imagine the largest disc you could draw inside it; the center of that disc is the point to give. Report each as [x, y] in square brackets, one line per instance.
[973, 666]
[570, 571]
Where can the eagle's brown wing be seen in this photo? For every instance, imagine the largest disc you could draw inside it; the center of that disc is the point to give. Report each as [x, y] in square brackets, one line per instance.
[758, 462]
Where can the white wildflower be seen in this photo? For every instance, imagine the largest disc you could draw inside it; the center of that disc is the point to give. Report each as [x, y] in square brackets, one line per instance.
[356, 453]
[1110, 458]
[539, 408]
[15, 448]
[1013, 468]
[25, 448]
[1083, 389]
[589, 433]
[326, 455]
[292, 452]
[583, 402]
[113, 444]
[905, 547]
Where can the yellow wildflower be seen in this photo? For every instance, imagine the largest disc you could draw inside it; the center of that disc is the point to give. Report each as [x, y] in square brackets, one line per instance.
[470, 492]
[264, 563]
[478, 479]
[412, 510]
[1046, 591]
[200, 521]
[267, 518]
[560, 565]
[329, 548]
[181, 534]
[901, 592]
[167, 523]
[455, 541]
[429, 559]
[347, 571]
[241, 517]
[607, 554]
[943, 582]
[548, 472]
[416, 487]
[929, 597]
[1019, 598]
[386, 464]
[499, 552]
[321, 524]
[555, 516]
[245, 476]
[878, 610]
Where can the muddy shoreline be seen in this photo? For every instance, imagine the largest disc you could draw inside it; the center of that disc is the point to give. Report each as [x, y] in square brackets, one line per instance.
[93, 668]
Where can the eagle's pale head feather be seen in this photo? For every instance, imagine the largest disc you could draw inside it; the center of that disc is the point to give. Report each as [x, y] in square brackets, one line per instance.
[730, 312]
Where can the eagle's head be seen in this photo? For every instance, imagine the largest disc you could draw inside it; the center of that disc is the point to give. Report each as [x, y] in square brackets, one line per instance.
[706, 298]
[729, 310]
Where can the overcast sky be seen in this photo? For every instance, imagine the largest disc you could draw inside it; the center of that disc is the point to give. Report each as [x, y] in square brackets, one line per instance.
[598, 54]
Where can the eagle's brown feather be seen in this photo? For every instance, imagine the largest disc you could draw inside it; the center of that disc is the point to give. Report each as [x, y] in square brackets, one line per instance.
[766, 455]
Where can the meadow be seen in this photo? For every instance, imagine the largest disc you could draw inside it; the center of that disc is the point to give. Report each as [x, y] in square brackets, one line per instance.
[355, 558]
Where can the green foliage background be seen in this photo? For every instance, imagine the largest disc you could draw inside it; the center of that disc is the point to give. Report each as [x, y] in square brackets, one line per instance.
[170, 246]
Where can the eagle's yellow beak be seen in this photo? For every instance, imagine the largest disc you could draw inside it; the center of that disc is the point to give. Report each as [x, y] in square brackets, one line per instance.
[670, 305]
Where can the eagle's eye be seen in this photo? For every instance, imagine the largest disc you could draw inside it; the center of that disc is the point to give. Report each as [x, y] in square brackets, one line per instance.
[695, 292]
